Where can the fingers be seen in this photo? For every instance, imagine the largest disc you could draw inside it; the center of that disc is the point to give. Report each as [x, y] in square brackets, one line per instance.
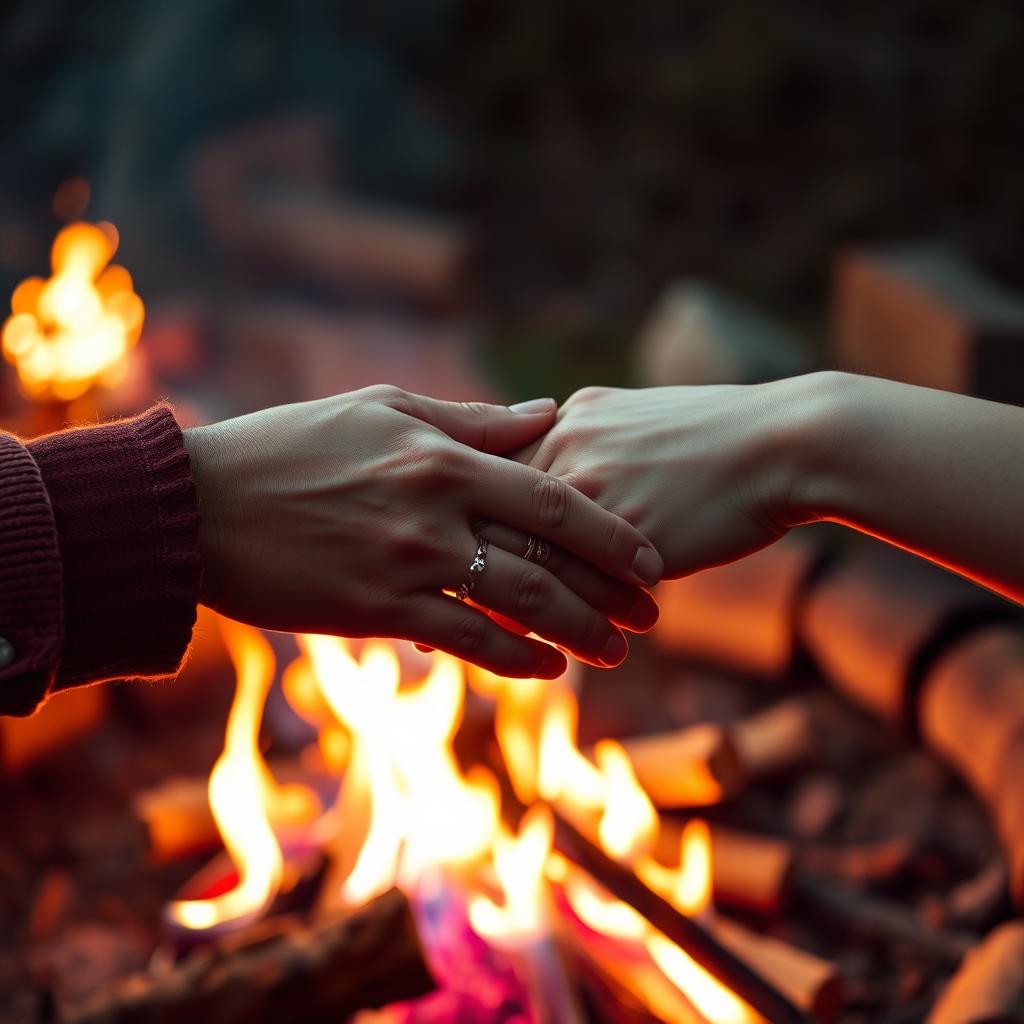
[533, 597]
[543, 505]
[495, 429]
[628, 606]
[455, 627]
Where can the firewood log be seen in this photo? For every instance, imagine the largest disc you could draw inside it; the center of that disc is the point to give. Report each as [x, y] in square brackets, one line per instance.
[282, 971]
[989, 985]
[810, 981]
[740, 615]
[749, 871]
[924, 315]
[702, 764]
[972, 713]
[877, 619]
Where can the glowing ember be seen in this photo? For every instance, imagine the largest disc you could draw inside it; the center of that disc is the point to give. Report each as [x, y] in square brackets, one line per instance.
[74, 330]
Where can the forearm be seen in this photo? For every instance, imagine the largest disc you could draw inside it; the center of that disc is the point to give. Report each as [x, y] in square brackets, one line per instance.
[937, 473]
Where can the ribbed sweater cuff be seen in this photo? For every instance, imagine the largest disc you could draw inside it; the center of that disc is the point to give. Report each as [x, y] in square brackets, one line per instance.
[127, 521]
[30, 581]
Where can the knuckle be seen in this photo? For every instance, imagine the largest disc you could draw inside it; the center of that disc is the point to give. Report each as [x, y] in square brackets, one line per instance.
[590, 394]
[470, 634]
[531, 591]
[414, 542]
[435, 459]
[388, 394]
[477, 408]
[551, 502]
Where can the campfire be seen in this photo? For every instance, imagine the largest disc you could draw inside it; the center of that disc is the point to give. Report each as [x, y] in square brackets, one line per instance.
[390, 836]
[514, 866]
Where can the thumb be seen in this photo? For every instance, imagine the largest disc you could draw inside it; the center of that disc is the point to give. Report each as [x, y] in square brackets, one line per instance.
[495, 429]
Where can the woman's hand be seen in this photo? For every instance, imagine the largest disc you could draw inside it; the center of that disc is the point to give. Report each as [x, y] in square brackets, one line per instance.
[698, 470]
[352, 514]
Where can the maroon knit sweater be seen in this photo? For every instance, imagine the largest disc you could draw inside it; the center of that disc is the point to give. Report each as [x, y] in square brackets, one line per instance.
[99, 557]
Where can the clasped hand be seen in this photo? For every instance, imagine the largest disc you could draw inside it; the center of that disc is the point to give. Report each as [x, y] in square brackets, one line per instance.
[359, 515]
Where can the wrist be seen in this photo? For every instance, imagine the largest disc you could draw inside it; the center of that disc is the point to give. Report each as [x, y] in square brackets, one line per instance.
[821, 419]
[198, 445]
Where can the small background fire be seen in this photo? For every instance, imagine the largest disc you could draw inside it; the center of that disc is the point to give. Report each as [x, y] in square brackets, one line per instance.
[799, 799]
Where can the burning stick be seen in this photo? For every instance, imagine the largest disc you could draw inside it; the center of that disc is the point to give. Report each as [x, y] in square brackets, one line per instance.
[703, 763]
[990, 984]
[689, 935]
[280, 972]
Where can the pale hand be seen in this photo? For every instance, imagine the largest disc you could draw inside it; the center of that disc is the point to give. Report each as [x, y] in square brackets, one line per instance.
[352, 514]
[688, 466]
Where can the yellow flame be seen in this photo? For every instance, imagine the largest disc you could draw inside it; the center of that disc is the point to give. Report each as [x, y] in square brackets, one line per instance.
[516, 725]
[519, 864]
[452, 818]
[600, 911]
[564, 772]
[241, 789]
[405, 806]
[420, 810]
[74, 329]
[692, 890]
[629, 824]
[715, 1002]
[359, 694]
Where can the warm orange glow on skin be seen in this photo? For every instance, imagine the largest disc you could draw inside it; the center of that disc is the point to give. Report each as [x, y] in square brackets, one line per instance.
[74, 330]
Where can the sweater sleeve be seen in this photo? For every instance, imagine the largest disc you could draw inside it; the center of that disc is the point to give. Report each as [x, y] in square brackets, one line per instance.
[30, 582]
[125, 512]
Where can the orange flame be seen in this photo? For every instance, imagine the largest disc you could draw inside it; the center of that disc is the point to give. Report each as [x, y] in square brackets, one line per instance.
[564, 771]
[241, 790]
[405, 807]
[417, 808]
[74, 329]
[629, 824]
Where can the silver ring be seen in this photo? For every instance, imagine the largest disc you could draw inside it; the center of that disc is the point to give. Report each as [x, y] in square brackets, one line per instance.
[537, 551]
[476, 568]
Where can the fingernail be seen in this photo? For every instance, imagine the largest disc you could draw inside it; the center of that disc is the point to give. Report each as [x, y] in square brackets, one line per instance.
[614, 650]
[552, 666]
[534, 406]
[647, 564]
[643, 614]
